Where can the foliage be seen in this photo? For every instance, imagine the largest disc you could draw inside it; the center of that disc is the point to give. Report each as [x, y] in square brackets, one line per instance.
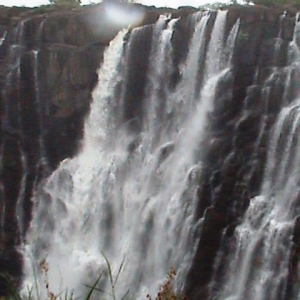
[271, 3]
[13, 293]
[120, 1]
[72, 3]
[213, 6]
[166, 291]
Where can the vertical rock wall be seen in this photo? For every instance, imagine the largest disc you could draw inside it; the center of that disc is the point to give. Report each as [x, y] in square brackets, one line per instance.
[48, 69]
[236, 149]
[48, 66]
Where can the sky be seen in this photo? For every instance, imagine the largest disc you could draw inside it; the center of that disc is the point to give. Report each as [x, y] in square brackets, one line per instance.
[169, 3]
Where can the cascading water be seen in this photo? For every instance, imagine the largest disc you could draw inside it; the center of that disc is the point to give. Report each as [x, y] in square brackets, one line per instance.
[12, 123]
[2, 39]
[43, 165]
[67, 202]
[131, 193]
[258, 268]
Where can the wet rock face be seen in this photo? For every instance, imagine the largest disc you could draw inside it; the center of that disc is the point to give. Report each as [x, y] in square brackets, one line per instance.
[238, 136]
[46, 83]
[48, 65]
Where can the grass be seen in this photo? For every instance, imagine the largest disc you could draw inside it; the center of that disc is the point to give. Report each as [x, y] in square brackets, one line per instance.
[165, 292]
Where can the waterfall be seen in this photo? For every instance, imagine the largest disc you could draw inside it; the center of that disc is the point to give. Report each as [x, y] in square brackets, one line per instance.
[13, 124]
[72, 195]
[2, 39]
[43, 163]
[258, 266]
[130, 194]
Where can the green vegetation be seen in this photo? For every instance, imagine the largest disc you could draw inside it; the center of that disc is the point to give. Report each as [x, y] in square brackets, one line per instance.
[165, 292]
[213, 6]
[78, 2]
[268, 3]
[74, 3]
[271, 3]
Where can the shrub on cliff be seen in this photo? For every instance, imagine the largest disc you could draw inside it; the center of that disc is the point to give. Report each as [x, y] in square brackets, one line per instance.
[65, 2]
[275, 2]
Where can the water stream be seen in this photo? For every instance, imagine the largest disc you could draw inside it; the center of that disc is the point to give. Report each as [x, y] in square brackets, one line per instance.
[257, 268]
[128, 195]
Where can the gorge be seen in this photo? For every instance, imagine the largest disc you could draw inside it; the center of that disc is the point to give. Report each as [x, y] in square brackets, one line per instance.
[170, 144]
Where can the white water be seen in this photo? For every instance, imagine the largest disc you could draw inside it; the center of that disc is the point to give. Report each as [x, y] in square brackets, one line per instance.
[260, 264]
[258, 267]
[2, 39]
[60, 230]
[14, 123]
[17, 49]
[134, 206]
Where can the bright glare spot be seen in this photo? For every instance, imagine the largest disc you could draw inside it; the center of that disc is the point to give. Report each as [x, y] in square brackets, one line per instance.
[124, 15]
[107, 19]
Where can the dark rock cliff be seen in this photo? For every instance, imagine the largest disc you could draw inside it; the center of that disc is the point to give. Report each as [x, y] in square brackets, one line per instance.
[236, 150]
[48, 65]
